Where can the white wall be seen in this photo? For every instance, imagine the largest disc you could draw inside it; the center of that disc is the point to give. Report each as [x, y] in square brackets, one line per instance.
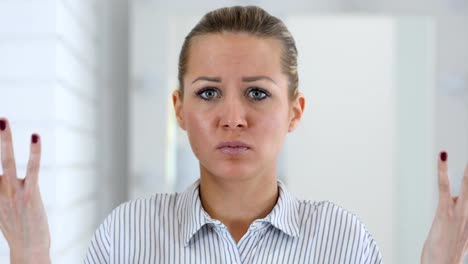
[114, 113]
[150, 102]
[49, 79]
[416, 153]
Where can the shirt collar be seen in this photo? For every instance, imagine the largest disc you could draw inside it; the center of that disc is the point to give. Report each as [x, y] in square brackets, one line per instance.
[190, 212]
[192, 217]
[285, 214]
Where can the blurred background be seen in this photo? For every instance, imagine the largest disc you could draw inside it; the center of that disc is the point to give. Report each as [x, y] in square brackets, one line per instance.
[386, 84]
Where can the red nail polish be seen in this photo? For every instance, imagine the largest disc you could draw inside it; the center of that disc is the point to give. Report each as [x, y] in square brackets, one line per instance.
[2, 125]
[443, 156]
[34, 138]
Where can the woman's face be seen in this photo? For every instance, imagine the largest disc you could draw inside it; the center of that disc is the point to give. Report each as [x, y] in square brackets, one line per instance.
[235, 106]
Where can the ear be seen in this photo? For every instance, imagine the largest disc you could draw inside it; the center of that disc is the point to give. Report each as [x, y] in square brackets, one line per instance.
[297, 109]
[177, 101]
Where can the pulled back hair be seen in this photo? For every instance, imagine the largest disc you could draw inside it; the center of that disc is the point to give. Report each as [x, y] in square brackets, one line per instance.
[251, 20]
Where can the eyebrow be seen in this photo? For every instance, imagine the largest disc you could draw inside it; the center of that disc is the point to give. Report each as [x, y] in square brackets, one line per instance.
[204, 78]
[244, 79]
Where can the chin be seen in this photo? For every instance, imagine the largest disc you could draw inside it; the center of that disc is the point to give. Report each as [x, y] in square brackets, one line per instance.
[231, 171]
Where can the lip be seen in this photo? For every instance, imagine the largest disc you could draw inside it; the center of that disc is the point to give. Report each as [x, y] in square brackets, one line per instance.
[233, 147]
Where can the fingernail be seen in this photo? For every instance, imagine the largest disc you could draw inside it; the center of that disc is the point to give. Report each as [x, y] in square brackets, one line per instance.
[2, 125]
[443, 156]
[34, 138]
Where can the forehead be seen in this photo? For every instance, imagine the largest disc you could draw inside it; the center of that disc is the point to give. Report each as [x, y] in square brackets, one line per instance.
[234, 54]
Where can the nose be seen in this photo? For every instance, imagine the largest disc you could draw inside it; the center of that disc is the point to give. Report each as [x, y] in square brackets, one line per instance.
[233, 115]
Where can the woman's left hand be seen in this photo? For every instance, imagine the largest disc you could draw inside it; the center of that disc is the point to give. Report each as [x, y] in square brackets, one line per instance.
[448, 238]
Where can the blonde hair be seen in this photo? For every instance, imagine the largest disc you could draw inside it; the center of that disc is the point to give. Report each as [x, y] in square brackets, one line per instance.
[246, 19]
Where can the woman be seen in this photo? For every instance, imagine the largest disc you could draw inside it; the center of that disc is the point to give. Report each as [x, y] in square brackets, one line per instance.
[237, 99]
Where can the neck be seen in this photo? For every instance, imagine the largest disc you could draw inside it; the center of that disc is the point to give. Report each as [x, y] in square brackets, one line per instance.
[238, 203]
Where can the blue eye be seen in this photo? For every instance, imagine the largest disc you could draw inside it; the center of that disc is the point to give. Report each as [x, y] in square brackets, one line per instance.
[257, 94]
[208, 93]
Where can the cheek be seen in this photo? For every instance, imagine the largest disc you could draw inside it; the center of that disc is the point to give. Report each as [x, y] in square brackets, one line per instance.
[271, 127]
[198, 126]
[275, 116]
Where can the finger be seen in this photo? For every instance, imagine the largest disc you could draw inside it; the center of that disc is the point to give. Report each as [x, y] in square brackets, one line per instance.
[32, 172]
[8, 160]
[464, 187]
[444, 183]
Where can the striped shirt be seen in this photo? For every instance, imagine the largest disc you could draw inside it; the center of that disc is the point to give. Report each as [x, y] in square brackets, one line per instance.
[174, 228]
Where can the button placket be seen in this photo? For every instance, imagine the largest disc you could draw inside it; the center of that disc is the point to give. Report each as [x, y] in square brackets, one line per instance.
[229, 242]
[254, 236]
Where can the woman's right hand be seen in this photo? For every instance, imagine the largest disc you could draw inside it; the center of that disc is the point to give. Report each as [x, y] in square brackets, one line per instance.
[23, 219]
[447, 241]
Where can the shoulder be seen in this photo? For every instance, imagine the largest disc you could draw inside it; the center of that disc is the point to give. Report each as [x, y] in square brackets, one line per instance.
[327, 210]
[151, 207]
[331, 228]
[332, 222]
[130, 221]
